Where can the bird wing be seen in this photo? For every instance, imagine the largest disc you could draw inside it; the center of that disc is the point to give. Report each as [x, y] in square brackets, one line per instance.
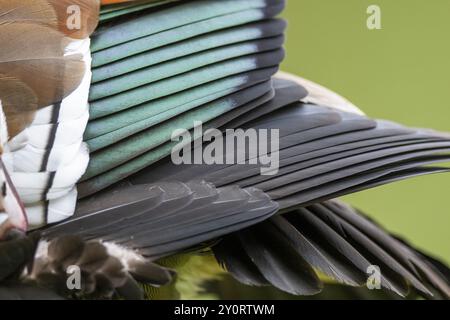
[161, 219]
[324, 153]
[333, 239]
[192, 61]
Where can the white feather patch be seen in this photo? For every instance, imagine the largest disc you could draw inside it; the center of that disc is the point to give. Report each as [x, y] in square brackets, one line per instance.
[3, 128]
[38, 136]
[3, 218]
[125, 255]
[31, 185]
[31, 159]
[55, 210]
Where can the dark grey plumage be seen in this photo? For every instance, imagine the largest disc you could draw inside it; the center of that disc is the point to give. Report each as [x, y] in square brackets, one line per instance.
[324, 153]
[27, 292]
[338, 241]
[17, 253]
[161, 219]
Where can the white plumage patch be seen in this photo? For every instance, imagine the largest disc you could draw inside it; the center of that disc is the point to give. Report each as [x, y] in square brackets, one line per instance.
[48, 158]
[125, 255]
[3, 128]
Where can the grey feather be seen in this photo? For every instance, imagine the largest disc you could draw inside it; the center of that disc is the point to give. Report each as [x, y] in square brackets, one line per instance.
[173, 216]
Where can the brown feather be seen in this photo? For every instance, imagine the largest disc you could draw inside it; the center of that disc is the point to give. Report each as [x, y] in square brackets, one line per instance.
[35, 56]
[19, 103]
[29, 11]
[34, 72]
[89, 13]
[57, 14]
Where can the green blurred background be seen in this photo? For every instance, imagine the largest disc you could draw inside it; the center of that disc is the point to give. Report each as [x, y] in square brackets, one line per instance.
[401, 73]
